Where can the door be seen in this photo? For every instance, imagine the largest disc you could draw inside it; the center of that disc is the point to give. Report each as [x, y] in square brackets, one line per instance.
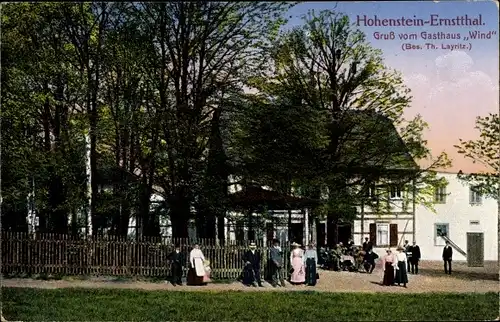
[345, 233]
[269, 233]
[297, 233]
[321, 235]
[475, 249]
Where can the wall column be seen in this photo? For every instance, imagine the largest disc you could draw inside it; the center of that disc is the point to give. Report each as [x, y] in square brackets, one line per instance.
[306, 226]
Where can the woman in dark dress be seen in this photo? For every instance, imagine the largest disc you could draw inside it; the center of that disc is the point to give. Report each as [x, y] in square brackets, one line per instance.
[311, 264]
[402, 262]
[388, 266]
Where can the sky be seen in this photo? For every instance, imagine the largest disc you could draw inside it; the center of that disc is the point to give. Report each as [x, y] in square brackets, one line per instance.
[449, 88]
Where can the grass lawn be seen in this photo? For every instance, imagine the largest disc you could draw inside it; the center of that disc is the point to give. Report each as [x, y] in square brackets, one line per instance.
[133, 305]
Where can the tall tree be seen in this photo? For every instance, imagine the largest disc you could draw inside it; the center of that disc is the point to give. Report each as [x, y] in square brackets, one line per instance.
[200, 51]
[40, 100]
[327, 66]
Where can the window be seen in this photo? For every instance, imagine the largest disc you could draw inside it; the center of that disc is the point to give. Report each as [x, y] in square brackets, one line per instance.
[475, 197]
[396, 192]
[382, 234]
[440, 230]
[440, 195]
[371, 192]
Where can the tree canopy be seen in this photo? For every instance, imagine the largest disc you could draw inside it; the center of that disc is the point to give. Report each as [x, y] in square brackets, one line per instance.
[180, 99]
[485, 151]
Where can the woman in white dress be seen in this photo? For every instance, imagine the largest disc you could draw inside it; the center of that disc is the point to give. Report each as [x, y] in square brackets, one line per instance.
[196, 274]
[297, 263]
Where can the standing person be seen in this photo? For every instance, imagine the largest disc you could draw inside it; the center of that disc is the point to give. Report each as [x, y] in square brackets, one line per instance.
[178, 260]
[388, 265]
[367, 245]
[197, 269]
[311, 264]
[447, 257]
[276, 261]
[401, 264]
[407, 250]
[359, 256]
[415, 257]
[336, 253]
[297, 263]
[251, 272]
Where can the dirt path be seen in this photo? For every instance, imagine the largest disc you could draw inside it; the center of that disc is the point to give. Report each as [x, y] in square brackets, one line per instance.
[430, 279]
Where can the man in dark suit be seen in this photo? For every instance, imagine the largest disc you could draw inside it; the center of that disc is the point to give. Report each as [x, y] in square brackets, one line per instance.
[251, 271]
[178, 261]
[367, 245]
[415, 257]
[276, 262]
[447, 257]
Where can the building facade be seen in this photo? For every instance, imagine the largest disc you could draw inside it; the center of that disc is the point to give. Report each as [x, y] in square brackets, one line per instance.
[390, 229]
[464, 216]
[467, 219]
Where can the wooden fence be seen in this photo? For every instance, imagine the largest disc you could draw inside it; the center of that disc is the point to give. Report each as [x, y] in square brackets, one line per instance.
[26, 254]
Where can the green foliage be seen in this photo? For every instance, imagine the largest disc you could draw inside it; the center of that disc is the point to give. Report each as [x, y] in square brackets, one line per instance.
[485, 151]
[162, 91]
[324, 115]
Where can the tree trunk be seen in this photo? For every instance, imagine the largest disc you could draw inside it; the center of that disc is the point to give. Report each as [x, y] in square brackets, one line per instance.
[180, 213]
[333, 229]
[93, 174]
[58, 218]
[221, 228]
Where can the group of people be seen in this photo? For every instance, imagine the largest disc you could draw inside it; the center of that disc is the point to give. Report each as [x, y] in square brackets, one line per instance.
[397, 266]
[199, 269]
[303, 265]
[349, 257]
[413, 255]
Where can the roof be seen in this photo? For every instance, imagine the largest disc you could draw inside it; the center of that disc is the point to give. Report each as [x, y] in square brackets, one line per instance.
[372, 143]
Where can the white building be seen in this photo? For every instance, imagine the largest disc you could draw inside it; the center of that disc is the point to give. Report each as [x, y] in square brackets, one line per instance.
[468, 219]
[386, 230]
[460, 212]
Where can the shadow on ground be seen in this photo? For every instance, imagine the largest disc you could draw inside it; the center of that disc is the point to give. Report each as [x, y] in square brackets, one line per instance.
[465, 275]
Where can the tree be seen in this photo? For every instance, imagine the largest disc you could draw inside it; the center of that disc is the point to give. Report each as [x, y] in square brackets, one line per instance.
[200, 53]
[486, 151]
[38, 100]
[327, 67]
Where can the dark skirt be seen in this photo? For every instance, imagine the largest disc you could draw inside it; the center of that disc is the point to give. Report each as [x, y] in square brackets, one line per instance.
[249, 276]
[401, 274]
[311, 271]
[388, 274]
[193, 279]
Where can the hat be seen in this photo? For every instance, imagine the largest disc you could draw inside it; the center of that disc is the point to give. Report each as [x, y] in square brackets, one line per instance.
[252, 245]
[294, 244]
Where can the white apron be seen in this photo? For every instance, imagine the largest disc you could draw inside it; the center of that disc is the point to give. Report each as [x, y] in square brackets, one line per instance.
[198, 266]
[197, 259]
